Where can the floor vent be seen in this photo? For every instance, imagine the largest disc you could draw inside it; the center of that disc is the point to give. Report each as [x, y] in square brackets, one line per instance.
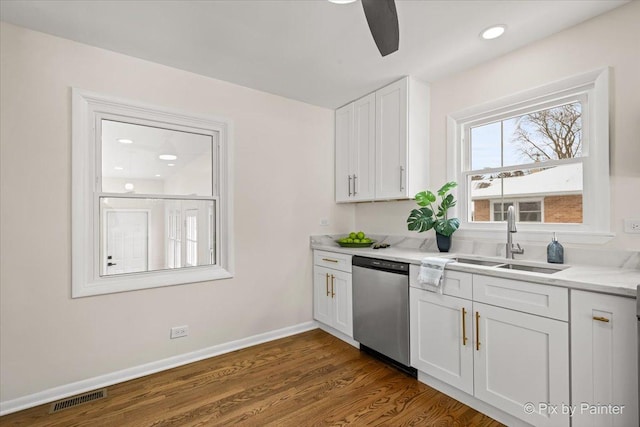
[77, 400]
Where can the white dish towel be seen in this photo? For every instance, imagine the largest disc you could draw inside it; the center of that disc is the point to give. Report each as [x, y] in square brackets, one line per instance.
[431, 271]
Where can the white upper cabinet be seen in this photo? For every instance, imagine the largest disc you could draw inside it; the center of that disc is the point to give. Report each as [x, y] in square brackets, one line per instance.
[355, 150]
[382, 144]
[344, 144]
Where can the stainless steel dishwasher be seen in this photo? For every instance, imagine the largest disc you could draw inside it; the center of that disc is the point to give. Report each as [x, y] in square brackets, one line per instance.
[381, 309]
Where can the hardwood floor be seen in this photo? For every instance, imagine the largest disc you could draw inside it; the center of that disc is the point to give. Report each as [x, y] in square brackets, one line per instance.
[305, 380]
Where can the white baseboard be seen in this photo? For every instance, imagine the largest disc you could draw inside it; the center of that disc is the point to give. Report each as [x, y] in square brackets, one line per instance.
[61, 392]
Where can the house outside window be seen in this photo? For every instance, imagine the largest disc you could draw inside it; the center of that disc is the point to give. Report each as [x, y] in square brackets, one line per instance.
[544, 151]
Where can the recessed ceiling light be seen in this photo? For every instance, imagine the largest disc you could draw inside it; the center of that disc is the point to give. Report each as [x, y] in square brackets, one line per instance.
[125, 141]
[493, 32]
[167, 157]
[171, 164]
[342, 1]
[128, 186]
[118, 168]
[158, 175]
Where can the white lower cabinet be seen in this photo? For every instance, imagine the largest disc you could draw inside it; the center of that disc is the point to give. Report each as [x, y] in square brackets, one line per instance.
[441, 337]
[521, 359]
[502, 357]
[604, 360]
[332, 292]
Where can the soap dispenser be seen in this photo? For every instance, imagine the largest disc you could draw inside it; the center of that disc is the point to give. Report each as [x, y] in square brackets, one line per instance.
[555, 251]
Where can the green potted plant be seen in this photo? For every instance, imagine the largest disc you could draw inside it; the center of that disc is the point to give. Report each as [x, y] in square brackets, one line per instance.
[430, 216]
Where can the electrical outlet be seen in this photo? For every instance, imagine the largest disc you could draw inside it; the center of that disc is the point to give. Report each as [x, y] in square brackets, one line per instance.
[632, 225]
[179, 331]
[324, 222]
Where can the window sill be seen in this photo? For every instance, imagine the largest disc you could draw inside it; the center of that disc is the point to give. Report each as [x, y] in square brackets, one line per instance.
[484, 232]
[155, 279]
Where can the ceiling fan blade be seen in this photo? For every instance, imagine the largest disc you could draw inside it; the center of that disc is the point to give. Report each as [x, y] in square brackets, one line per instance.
[383, 23]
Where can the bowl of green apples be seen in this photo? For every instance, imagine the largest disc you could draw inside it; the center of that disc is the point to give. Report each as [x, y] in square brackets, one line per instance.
[355, 239]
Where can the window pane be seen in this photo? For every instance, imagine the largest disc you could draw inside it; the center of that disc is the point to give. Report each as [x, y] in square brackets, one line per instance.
[140, 235]
[550, 134]
[486, 142]
[530, 217]
[559, 187]
[529, 206]
[152, 160]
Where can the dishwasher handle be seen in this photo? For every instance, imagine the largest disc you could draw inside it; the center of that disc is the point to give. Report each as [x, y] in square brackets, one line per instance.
[380, 264]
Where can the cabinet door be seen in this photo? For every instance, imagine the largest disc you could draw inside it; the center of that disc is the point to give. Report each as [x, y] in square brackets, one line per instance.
[341, 295]
[322, 301]
[362, 151]
[441, 337]
[391, 141]
[522, 358]
[344, 140]
[604, 359]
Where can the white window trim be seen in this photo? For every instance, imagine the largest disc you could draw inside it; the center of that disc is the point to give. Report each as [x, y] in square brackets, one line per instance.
[596, 226]
[85, 277]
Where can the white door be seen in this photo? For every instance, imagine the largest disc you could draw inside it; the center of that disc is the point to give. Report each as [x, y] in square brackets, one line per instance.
[391, 141]
[521, 359]
[441, 337]
[127, 241]
[191, 237]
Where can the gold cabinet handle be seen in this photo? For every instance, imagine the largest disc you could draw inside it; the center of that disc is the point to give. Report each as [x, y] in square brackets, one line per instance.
[601, 319]
[329, 260]
[477, 331]
[464, 326]
[327, 283]
[333, 294]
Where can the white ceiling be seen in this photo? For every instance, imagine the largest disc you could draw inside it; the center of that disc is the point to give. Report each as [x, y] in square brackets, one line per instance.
[310, 50]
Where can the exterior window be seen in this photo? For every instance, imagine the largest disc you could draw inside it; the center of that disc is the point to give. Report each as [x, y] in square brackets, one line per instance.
[150, 187]
[508, 159]
[544, 151]
[500, 211]
[526, 211]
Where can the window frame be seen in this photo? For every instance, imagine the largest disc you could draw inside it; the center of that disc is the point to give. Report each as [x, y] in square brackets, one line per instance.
[87, 107]
[516, 205]
[593, 88]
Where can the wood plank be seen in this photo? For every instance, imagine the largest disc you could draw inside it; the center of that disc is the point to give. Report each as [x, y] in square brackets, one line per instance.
[311, 378]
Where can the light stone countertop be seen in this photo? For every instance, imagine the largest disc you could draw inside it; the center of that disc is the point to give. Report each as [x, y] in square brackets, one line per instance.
[613, 280]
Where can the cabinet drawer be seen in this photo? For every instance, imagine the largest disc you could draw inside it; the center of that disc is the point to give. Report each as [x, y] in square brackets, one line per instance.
[534, 298]
[333, 260]
[454, 283]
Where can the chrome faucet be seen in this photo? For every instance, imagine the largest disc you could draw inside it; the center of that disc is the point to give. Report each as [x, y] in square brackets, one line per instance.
[511, 228]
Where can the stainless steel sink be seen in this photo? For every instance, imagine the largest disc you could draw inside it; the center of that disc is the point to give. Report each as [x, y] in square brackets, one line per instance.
[477, 261]
[533, 269]
[508, 264]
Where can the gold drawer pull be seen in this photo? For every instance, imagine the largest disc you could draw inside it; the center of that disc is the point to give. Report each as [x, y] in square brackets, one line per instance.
[464, 326]
[601, 319]
[333, 278]
[327, 283]
[477, 331]
[329, 260]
